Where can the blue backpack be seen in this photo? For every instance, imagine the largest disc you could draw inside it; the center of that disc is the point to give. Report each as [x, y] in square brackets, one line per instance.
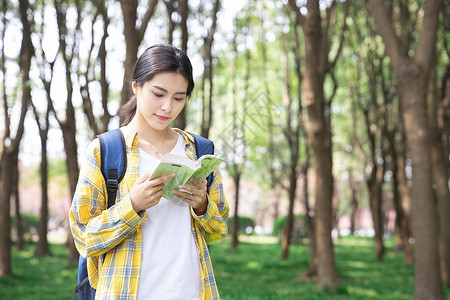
[113, 155]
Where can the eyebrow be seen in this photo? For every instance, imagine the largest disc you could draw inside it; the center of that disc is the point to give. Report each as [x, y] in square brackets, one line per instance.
[164, 90]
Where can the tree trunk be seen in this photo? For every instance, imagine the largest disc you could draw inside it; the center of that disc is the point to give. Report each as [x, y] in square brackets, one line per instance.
[183, 9]
[423, 210]
[133, 38]
[440, 178]
[320, 136]
[402, 232]
[412, 72]
[235, 230]
[6, 165]
[286, 240]
[42, 247]
[375, 184]
[405, 201]
[207, 76]
[68, 124]
[354, 202]
[20, 244]
[312, 271]
[11, 146]
[70, 147]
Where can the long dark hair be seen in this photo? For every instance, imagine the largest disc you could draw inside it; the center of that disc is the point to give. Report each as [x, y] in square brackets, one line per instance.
[157, 59]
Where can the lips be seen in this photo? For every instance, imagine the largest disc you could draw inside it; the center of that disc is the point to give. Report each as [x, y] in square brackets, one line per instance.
[162, 118]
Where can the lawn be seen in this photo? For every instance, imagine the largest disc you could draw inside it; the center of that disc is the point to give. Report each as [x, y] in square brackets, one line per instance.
[254, 271]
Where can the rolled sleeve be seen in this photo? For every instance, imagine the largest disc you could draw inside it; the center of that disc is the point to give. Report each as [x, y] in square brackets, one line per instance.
[213, 223]
[96, 229]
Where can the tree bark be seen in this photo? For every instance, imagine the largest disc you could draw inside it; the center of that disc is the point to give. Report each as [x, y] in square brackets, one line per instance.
[235, 230]
[6, 163]
[239, 145]
[354, 202]
[294, 125]
[316, 67]
[440, 178]
[99, 124]
[68, 123]
[171, 26]
[11, 145]
[183, 9]
[133, 38]
[207, 76]
[412, 73]
[20, 243]
[375, 184]
[42, 247]
[402, 231]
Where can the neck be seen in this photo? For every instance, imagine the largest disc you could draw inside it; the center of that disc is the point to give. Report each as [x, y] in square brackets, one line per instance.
[147, 133]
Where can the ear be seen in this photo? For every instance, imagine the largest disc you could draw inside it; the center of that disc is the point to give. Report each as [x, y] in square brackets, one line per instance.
[134, 87]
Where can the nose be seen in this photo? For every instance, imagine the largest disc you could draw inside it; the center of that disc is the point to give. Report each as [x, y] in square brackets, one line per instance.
[166, 105]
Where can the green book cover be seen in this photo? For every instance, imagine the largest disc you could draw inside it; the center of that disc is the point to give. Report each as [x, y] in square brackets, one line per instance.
[184, 169]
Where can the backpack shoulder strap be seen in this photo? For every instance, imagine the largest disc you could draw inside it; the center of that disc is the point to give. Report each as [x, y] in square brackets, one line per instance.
[203, 146]
[113, 154]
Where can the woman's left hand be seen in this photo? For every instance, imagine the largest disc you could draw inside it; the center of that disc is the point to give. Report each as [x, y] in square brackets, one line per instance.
[194, 196]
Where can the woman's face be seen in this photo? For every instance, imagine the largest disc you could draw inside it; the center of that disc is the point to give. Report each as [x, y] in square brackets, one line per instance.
[161, 99]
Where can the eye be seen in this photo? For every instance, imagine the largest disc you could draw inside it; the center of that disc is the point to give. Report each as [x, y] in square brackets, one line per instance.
[179, 99]
[157, 94]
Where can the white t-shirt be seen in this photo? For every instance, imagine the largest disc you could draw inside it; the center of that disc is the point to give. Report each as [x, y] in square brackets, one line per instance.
[170, 266]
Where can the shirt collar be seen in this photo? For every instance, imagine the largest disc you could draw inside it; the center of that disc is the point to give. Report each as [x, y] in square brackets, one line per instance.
[130, 136]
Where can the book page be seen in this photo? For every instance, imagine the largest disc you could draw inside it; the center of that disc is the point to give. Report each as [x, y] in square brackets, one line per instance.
[183, 173]
[208, 164]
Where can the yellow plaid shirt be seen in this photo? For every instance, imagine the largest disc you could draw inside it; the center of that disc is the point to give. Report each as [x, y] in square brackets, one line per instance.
[117, 231]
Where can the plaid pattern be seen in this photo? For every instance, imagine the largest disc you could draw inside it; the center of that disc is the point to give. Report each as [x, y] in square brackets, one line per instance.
[117, 230]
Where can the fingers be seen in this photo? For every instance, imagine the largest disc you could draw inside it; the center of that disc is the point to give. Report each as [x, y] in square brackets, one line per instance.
[146, 194]
[194, 196]
[161, 179]
[198, 183]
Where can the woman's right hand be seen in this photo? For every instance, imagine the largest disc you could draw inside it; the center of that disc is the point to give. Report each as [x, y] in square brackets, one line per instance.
[145, 194]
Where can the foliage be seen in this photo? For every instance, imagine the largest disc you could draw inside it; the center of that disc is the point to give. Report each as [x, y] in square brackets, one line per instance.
[299, 232]
[29, 224]
[252, 272]
[246, 225]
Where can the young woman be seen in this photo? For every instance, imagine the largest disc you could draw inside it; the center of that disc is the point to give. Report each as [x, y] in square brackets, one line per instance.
[145, 246]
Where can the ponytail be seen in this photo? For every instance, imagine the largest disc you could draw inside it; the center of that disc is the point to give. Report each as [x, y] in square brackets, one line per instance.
[128, 110]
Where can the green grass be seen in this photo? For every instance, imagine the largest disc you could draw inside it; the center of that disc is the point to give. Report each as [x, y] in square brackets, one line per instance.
[39, 277]
[254, 271]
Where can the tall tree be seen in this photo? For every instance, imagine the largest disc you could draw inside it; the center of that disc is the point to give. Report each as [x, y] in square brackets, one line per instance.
[68, 49]
[374, 161]
[43, 124]
[236, 165]
[178, 12]
[292, 132]
[96, 60]
[440, 175]
[412, 68]
[443, 110]
[317, 65]
[134, 35]
[10, 143]
[207, 76]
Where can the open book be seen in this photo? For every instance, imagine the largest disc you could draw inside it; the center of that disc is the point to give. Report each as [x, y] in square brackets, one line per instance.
[185, 169]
